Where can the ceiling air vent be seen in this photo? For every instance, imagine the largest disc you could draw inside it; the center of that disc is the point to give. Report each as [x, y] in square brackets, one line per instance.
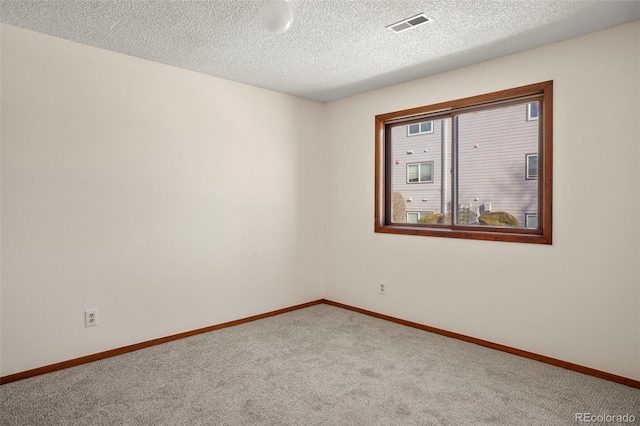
[405, 24]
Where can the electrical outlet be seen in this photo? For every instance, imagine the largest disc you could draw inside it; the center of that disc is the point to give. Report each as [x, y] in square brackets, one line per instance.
[91, 318]
[382, 288]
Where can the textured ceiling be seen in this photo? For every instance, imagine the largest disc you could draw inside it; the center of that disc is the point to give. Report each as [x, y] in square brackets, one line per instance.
[334, 49]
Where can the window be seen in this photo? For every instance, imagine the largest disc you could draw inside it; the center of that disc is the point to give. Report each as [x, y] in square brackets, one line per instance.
[413, 217]
[420, 128]
[532, 111]
[420, 172]
[473, 161]
[532, 166]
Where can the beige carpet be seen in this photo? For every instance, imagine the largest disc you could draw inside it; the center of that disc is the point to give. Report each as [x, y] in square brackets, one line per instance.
[320, 365]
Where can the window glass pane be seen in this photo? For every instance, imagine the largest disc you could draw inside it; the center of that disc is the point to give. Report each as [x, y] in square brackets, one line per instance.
[412, 217]
[426, 172]
[430, 163]
[532, 166]
[473, 162]
[412, 173]
[425, 127]
[491, 144]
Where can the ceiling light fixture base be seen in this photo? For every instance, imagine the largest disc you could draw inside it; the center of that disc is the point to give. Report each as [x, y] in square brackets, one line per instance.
[276, 16]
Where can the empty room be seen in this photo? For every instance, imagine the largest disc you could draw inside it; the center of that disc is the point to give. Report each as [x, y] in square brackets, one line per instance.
[319, 212]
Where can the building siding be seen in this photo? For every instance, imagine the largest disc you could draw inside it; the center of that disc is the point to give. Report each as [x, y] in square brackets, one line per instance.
[492, 149]
[426, 148]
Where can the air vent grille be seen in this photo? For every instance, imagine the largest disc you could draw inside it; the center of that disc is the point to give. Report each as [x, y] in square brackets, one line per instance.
[405, 24]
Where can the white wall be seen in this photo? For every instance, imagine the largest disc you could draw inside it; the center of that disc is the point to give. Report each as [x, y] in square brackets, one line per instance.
[0, 200]
[577, 300]
[166, 199]
[170, 200]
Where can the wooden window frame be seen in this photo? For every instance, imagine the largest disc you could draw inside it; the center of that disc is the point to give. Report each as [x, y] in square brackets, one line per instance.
[383, 166]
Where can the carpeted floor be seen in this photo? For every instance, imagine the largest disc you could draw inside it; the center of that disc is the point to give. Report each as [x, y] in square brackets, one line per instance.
[320, 365]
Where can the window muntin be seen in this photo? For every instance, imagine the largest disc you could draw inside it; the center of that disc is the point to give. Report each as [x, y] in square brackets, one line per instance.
[532, 166]
[420, 172]
[456, 148]
[419, 128]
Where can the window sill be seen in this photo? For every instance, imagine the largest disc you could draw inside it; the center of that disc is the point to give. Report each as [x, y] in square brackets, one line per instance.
[530, 236]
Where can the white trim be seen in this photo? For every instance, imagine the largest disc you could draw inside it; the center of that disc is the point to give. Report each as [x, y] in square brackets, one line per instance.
[420, 214]
[529, 176]
[419, 164]
[413, 213]
[420, 132]
[529, 116]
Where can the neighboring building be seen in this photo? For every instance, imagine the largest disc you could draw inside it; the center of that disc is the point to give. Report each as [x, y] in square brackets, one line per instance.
[497, 164]
[418, 151]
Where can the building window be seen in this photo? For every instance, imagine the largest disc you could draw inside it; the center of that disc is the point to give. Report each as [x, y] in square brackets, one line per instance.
[532, 111]
[532, 166]
[420, 172]
[420, 128]
[476, 158]
[413, 217]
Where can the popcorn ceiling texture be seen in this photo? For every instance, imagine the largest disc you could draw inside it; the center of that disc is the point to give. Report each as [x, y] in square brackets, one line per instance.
[334, 49]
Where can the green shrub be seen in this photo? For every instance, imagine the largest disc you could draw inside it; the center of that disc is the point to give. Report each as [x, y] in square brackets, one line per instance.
[498, 219]
[432, 218]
